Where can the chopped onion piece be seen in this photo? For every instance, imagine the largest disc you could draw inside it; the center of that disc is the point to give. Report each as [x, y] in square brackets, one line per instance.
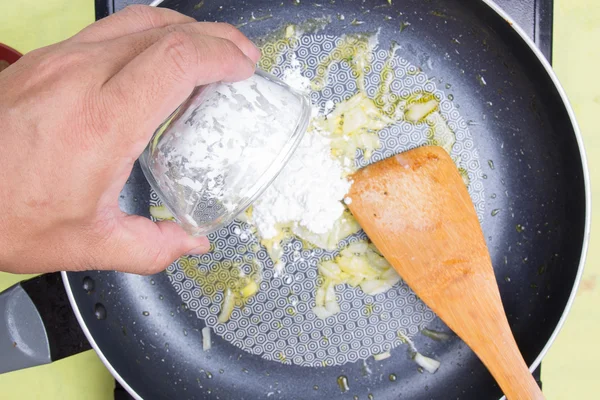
[417, 111]
[321, 312]
[329, 269]
[382, 356]
[330, 292]
[227, 307]
[320, 296]
[428, 364]
[332, 307]
[374, 286]
[249, 290]
[355, 281]
[357, 266]
[391, 277]
[161, 213]
[206, 343]
[377, 261]
[357, 247]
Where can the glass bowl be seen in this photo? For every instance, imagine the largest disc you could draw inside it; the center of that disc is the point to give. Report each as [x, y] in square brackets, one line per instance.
[222, 147]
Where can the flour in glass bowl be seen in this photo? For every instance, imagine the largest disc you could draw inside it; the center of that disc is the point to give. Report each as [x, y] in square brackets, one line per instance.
[216, 153]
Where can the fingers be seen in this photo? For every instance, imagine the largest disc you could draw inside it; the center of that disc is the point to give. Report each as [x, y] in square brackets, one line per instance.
[126, 48]
[141, 246]
[132, 19]
[154, 83]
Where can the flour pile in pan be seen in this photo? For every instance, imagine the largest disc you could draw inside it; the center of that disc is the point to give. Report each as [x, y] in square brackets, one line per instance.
[277, 322]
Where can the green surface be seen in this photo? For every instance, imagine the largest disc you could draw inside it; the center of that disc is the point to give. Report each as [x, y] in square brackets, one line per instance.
[569, 370]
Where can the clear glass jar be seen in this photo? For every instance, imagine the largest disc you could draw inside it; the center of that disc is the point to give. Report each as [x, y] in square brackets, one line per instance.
[222, 147]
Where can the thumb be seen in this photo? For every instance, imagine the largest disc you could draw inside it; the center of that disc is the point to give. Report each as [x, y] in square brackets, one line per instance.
[141, 246]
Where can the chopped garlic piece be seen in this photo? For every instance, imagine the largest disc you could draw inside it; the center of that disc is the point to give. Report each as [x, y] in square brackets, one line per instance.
[227, 307]
[429, 364]
[206, 343]
[382, 356]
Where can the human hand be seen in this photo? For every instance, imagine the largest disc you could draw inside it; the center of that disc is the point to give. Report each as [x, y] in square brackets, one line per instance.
[75, 117]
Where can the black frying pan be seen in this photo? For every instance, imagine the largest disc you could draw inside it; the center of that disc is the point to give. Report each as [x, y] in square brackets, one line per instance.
[153, 345]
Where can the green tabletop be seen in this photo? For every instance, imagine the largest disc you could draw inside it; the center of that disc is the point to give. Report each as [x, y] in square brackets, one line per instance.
[569, 370]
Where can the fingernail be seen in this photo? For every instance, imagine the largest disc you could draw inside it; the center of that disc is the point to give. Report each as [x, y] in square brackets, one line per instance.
[201, 248]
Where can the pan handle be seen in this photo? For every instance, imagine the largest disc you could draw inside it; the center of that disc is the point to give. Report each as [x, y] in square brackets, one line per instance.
[37, 324]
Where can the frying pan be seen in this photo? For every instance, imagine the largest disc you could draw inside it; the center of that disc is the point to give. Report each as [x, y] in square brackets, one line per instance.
[519, 118]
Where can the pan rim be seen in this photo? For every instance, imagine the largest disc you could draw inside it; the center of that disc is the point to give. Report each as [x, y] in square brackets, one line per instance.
[587, 226]
[584, 166]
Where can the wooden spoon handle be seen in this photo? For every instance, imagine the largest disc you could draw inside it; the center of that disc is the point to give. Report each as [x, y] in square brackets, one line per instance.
[485, 329]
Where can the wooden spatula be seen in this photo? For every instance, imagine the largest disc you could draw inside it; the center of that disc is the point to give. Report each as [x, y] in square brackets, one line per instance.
[417, 211]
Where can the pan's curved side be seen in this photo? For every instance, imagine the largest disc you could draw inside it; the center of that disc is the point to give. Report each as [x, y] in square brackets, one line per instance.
[90, 337]
[584, 166]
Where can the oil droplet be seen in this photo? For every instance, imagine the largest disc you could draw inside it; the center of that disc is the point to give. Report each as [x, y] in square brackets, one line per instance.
[491, 164]
[495, 212]
[208, 375]
[493, 196]
[520, 228]
[448, 86]
[393, 377]
[355, 397]
[161, 297]
[481, 80]
[100, 311]
[88, 284]
[370, 396]
[507, 278]
[152, 282]
[316, 387]
[342, 382]
[244, 370]
[541, 269]
[450, 97]
[221, 371]
[145, 313]
[185, 332]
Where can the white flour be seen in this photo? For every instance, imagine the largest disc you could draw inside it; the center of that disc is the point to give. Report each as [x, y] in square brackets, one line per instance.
[293, 77]
[309, 190]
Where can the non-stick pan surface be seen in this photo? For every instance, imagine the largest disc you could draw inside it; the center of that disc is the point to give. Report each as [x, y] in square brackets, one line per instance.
[518, 118]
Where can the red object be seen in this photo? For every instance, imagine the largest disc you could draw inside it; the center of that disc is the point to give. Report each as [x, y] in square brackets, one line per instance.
[9, 54]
